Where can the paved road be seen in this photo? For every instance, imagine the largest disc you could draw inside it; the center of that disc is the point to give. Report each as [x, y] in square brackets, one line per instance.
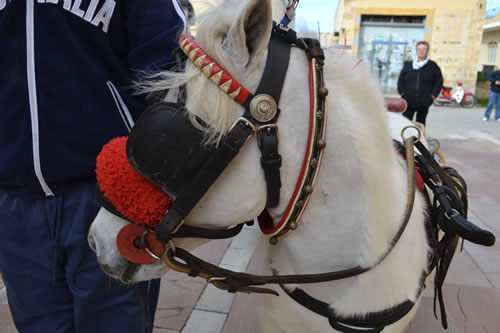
[460, 123]
[472, 291]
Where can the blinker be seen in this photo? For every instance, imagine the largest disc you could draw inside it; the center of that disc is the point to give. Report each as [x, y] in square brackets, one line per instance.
[166, 148]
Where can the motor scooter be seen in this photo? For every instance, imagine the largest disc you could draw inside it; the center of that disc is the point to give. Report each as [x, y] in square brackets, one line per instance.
[459, 96]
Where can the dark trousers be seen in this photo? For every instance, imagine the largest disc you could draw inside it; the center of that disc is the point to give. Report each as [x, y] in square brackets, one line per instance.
[420, 110]
[54, 283]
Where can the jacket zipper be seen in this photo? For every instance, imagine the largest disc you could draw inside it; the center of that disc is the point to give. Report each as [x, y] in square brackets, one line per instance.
[30, 70]
[418, 84]
[121, 106]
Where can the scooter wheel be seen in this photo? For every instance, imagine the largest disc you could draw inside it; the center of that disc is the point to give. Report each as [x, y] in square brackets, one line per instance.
[437, 103]
[470, 102]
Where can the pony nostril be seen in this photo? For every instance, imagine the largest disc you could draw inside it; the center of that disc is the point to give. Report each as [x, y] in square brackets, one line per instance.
[92, 244]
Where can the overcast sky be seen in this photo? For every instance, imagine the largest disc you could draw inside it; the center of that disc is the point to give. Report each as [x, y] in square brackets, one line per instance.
[312, 13]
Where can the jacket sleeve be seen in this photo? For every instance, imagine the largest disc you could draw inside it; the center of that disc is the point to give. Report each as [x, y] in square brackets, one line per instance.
[401, 78]
[492, 77]
[438, 82]
[153, 27]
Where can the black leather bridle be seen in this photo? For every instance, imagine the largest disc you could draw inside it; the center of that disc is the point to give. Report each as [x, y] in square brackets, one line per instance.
[206, 163]
[203, 166]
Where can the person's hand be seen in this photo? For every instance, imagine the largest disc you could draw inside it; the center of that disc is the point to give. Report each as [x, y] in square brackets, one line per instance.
[497, 83]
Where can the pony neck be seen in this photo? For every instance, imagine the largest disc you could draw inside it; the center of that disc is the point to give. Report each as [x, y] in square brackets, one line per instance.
[357, 205]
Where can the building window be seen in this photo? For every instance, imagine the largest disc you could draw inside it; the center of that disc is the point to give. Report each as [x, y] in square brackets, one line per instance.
[393, 19]
[492, 52]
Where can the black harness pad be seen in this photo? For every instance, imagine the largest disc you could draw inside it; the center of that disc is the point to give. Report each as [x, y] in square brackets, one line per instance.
[166, 148]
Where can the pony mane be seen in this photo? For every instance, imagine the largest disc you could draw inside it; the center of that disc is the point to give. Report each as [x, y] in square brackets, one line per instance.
[209, 102]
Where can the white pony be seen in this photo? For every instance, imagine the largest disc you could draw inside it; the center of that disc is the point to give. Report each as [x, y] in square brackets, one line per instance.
[359, 200]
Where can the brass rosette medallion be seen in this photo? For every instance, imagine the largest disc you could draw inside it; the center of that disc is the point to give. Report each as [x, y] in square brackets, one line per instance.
[263, 108]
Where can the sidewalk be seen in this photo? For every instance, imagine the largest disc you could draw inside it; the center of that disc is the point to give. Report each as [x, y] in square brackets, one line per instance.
[472, 288]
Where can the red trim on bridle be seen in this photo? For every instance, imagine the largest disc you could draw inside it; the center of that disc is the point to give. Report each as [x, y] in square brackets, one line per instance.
[212, 70]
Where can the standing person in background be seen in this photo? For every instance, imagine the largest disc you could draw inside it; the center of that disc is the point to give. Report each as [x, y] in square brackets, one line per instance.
[494, 96]
[419, 83]
[65, 68]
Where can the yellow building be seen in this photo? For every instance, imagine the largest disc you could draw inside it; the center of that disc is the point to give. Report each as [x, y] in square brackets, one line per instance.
[489, 58]
[384, 34]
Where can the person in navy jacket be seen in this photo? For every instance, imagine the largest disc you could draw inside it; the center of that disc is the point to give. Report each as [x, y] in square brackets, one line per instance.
[494, 96]
[66, 68]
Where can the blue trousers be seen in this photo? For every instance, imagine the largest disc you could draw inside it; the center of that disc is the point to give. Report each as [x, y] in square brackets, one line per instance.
[493, 99]
[54, 283]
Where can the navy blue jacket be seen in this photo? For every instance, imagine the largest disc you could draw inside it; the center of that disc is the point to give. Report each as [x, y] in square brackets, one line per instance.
[493, 77]
[66, 69]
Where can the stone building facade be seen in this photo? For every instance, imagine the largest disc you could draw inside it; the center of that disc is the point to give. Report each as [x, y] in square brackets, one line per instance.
[384, 33]
[490, 54]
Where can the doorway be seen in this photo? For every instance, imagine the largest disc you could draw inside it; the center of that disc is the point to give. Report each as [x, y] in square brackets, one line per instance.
[386, 42]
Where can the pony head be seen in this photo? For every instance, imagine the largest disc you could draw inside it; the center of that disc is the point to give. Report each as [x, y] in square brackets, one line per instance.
[237, 43]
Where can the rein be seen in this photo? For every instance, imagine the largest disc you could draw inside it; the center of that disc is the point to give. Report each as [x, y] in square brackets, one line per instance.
[236, 281]
[447, 216]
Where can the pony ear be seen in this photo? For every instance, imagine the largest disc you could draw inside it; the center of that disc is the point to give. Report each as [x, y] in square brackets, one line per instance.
[251, 31]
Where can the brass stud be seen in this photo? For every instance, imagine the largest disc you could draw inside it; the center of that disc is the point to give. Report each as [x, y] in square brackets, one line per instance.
[321, 144]
[292, 225]
[319, 115]
[323, 92]
[313, 163]
[308, 189]
[299, 204]
[273, 240]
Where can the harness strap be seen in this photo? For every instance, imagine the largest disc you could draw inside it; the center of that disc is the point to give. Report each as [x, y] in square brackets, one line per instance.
[371, 322]
[226, 277]
[271, 84]
[184, 232]
[238, 281]
[192, 193]
[446, 192]
[270, 162]
[448, 214]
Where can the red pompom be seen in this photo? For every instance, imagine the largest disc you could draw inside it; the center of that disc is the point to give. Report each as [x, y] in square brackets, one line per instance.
[131, 194]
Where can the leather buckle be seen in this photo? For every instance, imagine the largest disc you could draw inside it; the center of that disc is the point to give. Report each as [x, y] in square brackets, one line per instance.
[246, 123]
[267, 127]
